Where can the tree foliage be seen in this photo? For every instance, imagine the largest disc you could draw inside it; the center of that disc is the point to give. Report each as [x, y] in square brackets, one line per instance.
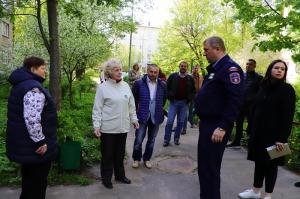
[276, 23]
[88, 39]
[183, 36]
[84, 43]
[121, 52]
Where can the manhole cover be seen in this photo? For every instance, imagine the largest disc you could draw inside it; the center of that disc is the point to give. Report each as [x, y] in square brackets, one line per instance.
[176, 164]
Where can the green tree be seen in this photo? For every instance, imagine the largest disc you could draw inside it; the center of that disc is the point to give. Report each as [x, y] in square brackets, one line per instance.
[121, 52]
[51, 40]
[12, 8]
[183, 36]
[276, 23]
[85, 42]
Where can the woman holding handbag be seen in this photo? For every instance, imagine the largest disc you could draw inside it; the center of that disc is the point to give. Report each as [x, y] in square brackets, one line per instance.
[272, 119]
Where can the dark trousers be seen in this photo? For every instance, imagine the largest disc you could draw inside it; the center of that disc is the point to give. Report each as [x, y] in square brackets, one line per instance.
[34, 180]
[113, 151]
[244, 113]
[139, 138]
[209, 160]
[265, 171]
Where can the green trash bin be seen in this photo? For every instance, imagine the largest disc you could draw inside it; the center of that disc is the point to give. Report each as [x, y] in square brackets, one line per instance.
[70, 155]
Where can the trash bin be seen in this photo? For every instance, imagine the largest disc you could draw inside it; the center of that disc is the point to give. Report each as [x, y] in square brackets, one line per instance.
[70, 155]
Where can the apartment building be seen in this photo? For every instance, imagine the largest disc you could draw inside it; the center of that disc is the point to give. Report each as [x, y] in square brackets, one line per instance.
[5, 43]
[145, 41]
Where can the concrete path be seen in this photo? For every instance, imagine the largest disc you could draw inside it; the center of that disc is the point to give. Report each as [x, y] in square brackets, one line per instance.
[174, 176]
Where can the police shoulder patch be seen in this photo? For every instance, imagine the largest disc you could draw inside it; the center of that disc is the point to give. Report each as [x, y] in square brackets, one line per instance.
[233, 69]
[235, 78]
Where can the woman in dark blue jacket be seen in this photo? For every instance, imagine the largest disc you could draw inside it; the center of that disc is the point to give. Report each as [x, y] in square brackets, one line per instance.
[31, 127]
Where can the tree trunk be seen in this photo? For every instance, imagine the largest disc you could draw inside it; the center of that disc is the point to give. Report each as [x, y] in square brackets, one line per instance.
[54, 82]
[79, 73]
[70, 86]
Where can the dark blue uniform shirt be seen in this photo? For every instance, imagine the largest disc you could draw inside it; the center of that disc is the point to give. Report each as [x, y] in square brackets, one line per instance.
[220, 96]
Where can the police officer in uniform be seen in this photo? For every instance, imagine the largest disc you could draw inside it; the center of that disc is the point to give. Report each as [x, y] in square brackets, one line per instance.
[217, 104]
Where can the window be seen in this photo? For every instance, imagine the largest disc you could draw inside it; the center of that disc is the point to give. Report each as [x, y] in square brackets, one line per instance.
[4, 55]
[5, 29]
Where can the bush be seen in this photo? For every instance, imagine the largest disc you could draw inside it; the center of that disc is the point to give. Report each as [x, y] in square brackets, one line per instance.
[293, 160]
[8, 170]
[76, 123]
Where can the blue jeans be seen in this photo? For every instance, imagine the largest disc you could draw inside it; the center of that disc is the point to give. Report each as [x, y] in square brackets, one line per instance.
[139, 138]
[189, 115]
[179, 108]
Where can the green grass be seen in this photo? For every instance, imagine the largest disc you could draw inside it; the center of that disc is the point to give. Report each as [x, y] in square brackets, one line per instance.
[57, 177]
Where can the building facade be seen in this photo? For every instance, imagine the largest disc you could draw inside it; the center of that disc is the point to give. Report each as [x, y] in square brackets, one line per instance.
[145, 42]
[6, 41]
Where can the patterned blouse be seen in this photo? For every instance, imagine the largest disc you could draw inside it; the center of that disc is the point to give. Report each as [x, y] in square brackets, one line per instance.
[34, 101]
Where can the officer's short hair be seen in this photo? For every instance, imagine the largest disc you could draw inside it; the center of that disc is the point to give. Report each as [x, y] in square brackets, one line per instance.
[215, 42]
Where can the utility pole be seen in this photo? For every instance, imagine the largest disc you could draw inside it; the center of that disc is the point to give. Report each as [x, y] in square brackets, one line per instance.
[130, 38]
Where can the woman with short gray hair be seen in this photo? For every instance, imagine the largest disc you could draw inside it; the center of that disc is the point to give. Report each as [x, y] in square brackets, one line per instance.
[113, 112]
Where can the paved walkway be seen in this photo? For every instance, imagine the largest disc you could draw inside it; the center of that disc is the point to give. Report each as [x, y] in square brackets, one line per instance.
[174, 176]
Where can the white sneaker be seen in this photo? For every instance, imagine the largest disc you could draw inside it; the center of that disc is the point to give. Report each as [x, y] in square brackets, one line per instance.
[135, 164]
[268, 197]
[148, 164]
[249, 194]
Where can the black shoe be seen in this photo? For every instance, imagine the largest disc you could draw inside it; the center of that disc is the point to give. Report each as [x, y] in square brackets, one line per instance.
[233, 144]
[297, 184]
[108, 185]
[165, 144]
[176, 143]
[124, 180]
[183, 132]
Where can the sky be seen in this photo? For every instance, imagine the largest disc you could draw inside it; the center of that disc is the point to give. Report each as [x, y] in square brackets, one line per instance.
[158, 14]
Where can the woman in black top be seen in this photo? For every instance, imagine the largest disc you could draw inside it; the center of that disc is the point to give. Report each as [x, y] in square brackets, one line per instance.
[272, 123]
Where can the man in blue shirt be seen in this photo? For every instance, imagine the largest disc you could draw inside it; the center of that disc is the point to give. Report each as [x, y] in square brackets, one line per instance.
[217, 104]
[150, 95]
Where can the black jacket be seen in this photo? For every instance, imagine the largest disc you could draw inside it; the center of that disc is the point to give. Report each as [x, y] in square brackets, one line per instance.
[172, 87]
[252, 81]
[272, 119]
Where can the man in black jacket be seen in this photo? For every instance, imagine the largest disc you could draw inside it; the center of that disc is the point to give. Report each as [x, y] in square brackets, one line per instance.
[180, 91]
[251, 84]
